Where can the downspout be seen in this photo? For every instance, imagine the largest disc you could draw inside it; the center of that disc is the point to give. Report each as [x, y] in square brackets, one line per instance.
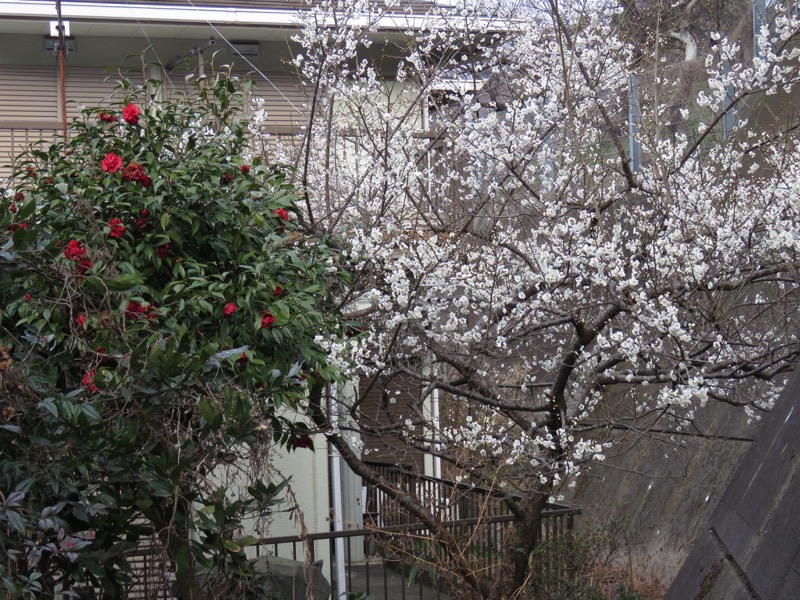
[437, 460]
[336, 491]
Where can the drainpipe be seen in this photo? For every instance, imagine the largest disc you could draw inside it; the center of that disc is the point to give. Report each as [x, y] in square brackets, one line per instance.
[437, 460]
[336, 485]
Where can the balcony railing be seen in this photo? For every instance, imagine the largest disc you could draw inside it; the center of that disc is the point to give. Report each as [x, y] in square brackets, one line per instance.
[394, 557]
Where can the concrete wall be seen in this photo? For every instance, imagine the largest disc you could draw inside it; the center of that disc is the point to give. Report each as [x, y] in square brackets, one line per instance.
[750, 548]
[655, 493]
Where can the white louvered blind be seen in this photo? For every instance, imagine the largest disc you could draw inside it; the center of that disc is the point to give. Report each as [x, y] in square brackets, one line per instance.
[28, 109]
[88, 87]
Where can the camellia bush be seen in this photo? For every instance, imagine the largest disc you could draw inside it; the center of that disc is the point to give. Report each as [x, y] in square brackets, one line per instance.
[159, 309]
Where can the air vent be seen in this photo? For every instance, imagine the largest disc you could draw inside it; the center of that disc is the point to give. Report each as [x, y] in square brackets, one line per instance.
[244, 48]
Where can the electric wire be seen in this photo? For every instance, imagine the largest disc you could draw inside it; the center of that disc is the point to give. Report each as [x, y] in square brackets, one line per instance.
[260, 73]
[150, 44]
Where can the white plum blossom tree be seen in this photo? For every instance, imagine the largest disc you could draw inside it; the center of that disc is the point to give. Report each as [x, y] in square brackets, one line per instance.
[509, 258]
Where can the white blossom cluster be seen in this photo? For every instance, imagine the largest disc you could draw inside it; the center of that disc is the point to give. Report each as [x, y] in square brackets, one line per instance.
[511, 259]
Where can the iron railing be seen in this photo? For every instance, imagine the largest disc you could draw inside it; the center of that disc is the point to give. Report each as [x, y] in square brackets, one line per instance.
[477, 517]
[395, 557]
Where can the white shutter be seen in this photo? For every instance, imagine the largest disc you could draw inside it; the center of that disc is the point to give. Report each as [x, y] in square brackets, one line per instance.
[88, 87]
[28, 110]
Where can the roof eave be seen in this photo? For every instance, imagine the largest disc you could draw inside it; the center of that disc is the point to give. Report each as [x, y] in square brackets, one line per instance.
[188, 15]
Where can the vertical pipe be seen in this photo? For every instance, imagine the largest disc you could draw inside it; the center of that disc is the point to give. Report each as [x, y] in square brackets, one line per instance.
[634, 119]
[759, 18]
[437, 460]
[336, 484]
[347, 561]
[366, 566]
[385, 581]
[729, 118]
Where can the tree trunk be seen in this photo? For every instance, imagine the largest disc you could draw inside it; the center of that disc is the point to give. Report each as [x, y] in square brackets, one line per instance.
[519, 547]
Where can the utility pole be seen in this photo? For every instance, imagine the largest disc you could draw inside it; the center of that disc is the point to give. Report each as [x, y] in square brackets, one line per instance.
[62, 52]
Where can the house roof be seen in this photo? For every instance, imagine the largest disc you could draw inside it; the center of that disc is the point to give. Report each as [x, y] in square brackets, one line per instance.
[415, 5]
[282, 13]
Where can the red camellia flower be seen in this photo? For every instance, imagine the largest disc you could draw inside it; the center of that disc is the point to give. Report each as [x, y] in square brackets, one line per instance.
[229, 309]
[80, 320]
[282, 213]
[163, 251]
[245, 169]
[88, 382]
[83, 266]
[117, 228]
[134, 310]
[75, 250]
[111, 163]
[131, 114]
[277, 290]
[243, 360]
[143, 222]
[12, 208]
[302, 441]
[267, 319]
[135, 172]
[27, 297]
[132, 172]
[107, 118]
[19, 196]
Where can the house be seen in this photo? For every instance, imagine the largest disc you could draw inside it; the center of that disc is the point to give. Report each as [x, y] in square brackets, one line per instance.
[185, 36]
[55, 58]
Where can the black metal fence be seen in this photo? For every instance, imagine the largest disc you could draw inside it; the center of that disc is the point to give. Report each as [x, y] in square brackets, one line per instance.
[399, 557]
[394, 557]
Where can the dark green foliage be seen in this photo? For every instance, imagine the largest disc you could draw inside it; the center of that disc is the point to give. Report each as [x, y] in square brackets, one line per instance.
[160, 305]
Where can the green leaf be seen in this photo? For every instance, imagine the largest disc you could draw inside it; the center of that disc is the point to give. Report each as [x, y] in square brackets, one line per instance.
[27, 210]
[22, 238]
[15, 521]
[91, 412]
[49, 406]
[164, 221]
[124, 282]
[247, 540]
[182, 559]
[412, 573]
[206, 411]
[160, 488]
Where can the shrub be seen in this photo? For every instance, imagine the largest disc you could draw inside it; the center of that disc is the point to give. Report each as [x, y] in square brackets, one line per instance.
[159, 309]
